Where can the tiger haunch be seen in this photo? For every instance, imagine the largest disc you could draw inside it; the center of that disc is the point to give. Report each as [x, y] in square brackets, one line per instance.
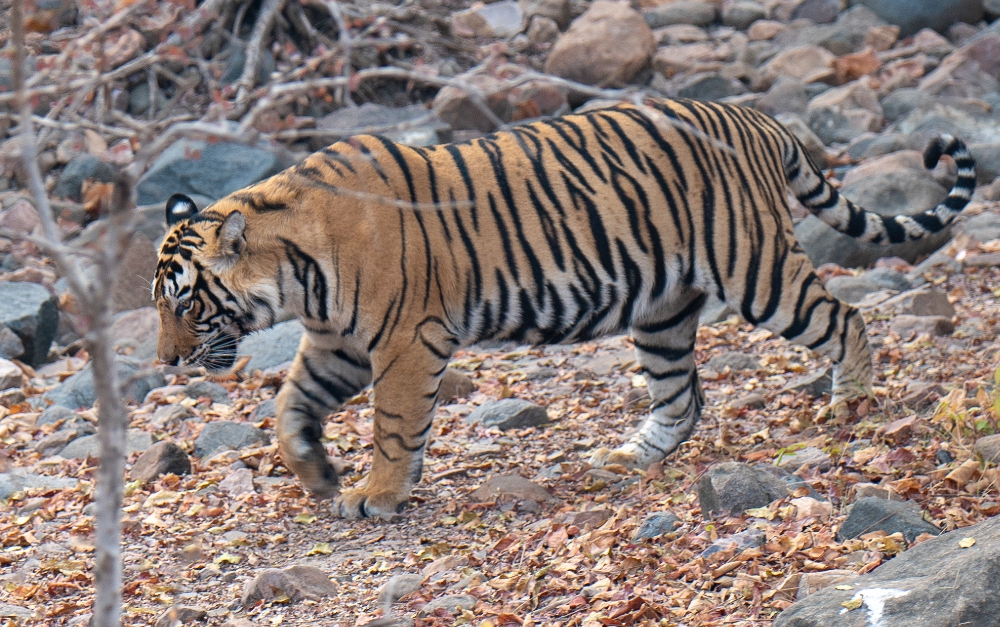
[621, 220]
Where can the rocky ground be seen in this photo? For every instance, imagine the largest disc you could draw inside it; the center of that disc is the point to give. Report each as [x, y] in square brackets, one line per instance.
[763, 511]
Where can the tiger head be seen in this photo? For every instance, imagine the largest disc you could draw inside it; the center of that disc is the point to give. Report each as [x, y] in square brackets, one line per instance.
[208, 290]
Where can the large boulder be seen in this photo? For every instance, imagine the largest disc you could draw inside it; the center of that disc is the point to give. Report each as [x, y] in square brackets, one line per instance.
[192, 166]
[135, 378]
[606, 46]
[272, 347]
[912, 15]
[30, 311]
[937, 583]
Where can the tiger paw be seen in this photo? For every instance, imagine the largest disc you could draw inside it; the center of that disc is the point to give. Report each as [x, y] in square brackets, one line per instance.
[606, 457]
[362, 503]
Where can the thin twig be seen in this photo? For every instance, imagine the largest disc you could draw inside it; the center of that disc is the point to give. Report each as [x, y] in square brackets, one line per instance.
[261, 28]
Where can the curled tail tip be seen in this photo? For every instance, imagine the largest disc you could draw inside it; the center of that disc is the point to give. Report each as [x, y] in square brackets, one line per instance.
[943, 144]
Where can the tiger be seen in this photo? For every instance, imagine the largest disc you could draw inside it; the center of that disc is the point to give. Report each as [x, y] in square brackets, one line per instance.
[623, 219]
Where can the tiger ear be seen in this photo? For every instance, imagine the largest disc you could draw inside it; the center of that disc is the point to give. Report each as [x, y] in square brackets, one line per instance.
[180, 207]
[232, 235]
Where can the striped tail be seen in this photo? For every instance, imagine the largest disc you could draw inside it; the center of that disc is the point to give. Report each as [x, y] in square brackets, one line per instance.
[827, 204]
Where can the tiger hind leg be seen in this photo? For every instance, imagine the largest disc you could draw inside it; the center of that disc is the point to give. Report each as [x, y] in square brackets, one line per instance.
[665, 350]
[323, 377]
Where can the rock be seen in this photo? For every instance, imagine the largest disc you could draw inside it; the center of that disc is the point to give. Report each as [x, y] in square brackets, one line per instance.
[845, 36]
[988, 447]
[78, 390]
[839, 115]
[59, 440]
[934, 584]
[556, 10]
[874, 514]
[131, 289]
[265, 409]
[763, 30]
[870, 490]
[20, 218]
[968, 72]
[811, 583]
[812, 143]
[210, 169]
[82, 168]
[207, 389]
[888, 278]
[984, 227]
[398, 587]
[786, 95]
[16, 612]
[923, 301]
[750, 401]
[237, 482]
[181, 614]
[132, 328]
[735, 487]
[742, 13]
[499, 20]
[851, 289]
[30, 311]
[912, 15]
[453, 603]
[815, 384]
[272, 347]
[921, 394]
[906, 326]
[160, 459]
[656, 525]
[986, 155]
[751, 538]
[734, 361]
[590, 51]
[810, 456]
[228, 436]
[513, 485]
[807, 64]
[291, 584]
[53, 414]
[455, 384]
[11, 346]
[819, 11]
[17, 480]
[691, 12]
[808, 507]
[383, 120]
[542, 30]
[710, 86]
[10, 375]
[89, 446]
[590, 519]
[530, 99]
[673, 60]
[169, 413]
[510, 413]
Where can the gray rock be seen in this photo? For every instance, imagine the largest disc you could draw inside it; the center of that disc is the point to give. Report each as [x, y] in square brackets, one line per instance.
[509, 413]
[800, 458]
[78, 390]
[399, 586]
[988, 447]
[89, 446]
[905, 325]
[159, 459]
[18, 479]
[656, 525]
[77, 171]
[542, 30]
[934, 584]
[30, 311]
[899, 103]
[7, 610]
[455, 384]
[813, 144]
[265, 409]
[710, 86]
[557, 10]
[871, 146]
[682, 12]
[168, 413]
[53, 414]
[734, 361]
[498, 20]
[10, 375]
[815, 384]
[874, 514]
[237, 482]
[203, 389]
[924, 301]
[844, 36]
[851, 289]
[741, 541]
[272, 347]
[181, 614]
[819, 11]
[514, 486]
[396, 123]
[131, 288]
[984, 227]
[741, 14]
[235, 56]
[735, 487]
[228, 435]
[139, 100]
[715, 311]
[786, 95]
[208, 169]
[913, 15]
[453, 603]
[889, 278]
[987, 156]
[11, 346]
[59, 440]
[291, 584]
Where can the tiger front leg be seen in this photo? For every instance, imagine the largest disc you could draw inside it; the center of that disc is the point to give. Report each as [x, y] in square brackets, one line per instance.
[406, 390]
[323, 377]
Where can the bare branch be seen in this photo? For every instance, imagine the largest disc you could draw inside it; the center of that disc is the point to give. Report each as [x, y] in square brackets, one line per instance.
[268, 11]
